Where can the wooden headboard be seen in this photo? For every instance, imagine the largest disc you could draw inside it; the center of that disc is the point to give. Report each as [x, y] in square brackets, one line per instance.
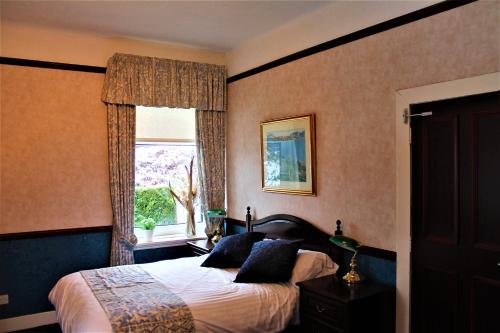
[284, 226]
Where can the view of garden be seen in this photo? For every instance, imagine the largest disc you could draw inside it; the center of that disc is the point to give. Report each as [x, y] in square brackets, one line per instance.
[156, 166]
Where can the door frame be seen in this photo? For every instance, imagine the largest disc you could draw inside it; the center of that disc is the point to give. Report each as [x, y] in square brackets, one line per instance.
[404, 98]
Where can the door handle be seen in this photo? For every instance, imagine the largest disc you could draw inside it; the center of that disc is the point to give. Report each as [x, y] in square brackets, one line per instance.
[320, 309]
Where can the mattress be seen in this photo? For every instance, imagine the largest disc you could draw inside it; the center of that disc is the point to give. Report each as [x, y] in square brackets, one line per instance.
[217, 304]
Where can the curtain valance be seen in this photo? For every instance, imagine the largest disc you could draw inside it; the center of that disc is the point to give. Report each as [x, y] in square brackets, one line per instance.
[148, 81]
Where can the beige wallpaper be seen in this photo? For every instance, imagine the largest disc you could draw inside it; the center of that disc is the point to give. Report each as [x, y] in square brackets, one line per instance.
[351, 89]
[27, 41]
[54, 164]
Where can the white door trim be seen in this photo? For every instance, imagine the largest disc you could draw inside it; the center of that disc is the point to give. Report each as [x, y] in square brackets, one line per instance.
[404, 98]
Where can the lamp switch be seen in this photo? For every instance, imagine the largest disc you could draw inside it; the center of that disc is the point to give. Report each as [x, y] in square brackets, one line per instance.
[4, 299]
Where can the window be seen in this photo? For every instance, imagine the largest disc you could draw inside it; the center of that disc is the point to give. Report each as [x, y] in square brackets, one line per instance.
[164, 147]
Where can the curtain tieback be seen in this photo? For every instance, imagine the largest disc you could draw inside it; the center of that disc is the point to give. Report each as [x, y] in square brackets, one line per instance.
[130, 242]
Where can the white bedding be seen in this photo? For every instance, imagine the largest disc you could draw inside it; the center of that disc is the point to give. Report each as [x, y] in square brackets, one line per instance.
[216, 303]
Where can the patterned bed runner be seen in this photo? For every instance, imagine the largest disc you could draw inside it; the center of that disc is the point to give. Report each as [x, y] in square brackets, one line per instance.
[135, 302]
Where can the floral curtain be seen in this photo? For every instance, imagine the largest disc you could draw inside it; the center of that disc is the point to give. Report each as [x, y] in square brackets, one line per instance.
[135, 80]
[121, 151]
[148, 81]
[211, 148]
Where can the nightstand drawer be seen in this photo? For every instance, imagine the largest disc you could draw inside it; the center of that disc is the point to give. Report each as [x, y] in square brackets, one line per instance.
[328, 304]
[329, 312]
[313, 325]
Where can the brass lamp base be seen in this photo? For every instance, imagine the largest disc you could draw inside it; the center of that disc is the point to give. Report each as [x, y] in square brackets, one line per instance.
[353, 277]
[216, 238]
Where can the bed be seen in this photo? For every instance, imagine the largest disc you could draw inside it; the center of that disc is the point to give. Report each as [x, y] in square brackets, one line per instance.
[215, 302]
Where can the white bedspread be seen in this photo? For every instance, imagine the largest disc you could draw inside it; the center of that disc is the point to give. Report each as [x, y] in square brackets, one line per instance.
[216, 303]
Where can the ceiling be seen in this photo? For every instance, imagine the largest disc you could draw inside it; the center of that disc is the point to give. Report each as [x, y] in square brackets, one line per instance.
[216, 25]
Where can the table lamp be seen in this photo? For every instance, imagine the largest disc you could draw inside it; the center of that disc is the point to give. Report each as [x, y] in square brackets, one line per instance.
[352, 245]
[217, 214]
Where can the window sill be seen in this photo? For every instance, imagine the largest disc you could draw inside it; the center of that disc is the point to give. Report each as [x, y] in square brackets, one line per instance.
[168, 236]
[166, 241]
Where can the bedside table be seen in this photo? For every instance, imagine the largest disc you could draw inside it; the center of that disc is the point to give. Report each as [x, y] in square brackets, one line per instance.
[201, 247]
[328, 304]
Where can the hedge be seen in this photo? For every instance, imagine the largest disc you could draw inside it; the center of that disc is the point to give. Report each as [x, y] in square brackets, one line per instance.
[156, 203]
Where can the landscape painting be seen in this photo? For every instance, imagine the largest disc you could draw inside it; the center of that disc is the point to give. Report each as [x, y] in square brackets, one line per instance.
[287, 147]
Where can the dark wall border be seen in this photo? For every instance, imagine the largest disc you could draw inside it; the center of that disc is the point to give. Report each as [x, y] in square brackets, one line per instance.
[52, 65]
[377, 252]
[364, 250]
[366, 32]
[55, 232]
[231, 221]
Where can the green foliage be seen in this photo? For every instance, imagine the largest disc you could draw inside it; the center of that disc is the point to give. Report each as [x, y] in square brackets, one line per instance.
[156, 204]
[148, 224]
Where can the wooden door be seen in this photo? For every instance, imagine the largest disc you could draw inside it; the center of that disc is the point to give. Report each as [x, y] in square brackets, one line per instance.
[456, 215]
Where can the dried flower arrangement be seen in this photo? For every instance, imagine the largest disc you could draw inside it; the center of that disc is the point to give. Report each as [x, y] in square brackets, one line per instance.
[186, 199]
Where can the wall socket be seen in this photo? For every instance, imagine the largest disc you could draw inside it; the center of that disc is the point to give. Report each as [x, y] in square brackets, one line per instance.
[4, 299]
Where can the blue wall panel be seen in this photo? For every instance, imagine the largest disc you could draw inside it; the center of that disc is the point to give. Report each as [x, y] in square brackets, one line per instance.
[232, 229]
[31, 265]
[162, 253]
[372, 268]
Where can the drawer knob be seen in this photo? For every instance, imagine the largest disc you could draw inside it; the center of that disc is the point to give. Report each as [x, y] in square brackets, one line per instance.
[320, 309]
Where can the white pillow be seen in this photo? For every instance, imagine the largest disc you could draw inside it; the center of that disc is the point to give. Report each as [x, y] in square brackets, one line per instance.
[312, 264]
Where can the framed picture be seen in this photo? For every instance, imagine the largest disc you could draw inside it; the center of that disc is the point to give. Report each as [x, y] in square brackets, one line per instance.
[288, 155]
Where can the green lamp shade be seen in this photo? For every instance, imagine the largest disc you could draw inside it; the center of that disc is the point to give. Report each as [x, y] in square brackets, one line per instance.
[216, 212]
[345, 242]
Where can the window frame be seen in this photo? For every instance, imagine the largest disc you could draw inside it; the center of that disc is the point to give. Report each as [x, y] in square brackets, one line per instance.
[168, 235]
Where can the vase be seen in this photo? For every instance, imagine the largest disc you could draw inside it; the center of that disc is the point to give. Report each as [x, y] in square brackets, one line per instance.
[190, 224]
[149, 235]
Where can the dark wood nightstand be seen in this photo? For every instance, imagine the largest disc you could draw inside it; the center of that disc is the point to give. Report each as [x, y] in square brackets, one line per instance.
[201, 247]
[328, 304]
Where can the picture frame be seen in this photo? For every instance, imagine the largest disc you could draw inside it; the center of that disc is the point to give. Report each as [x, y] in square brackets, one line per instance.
[288, 155]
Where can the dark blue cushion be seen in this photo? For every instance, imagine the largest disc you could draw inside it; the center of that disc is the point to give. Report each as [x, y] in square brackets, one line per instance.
[232, 251]
[269, 262]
